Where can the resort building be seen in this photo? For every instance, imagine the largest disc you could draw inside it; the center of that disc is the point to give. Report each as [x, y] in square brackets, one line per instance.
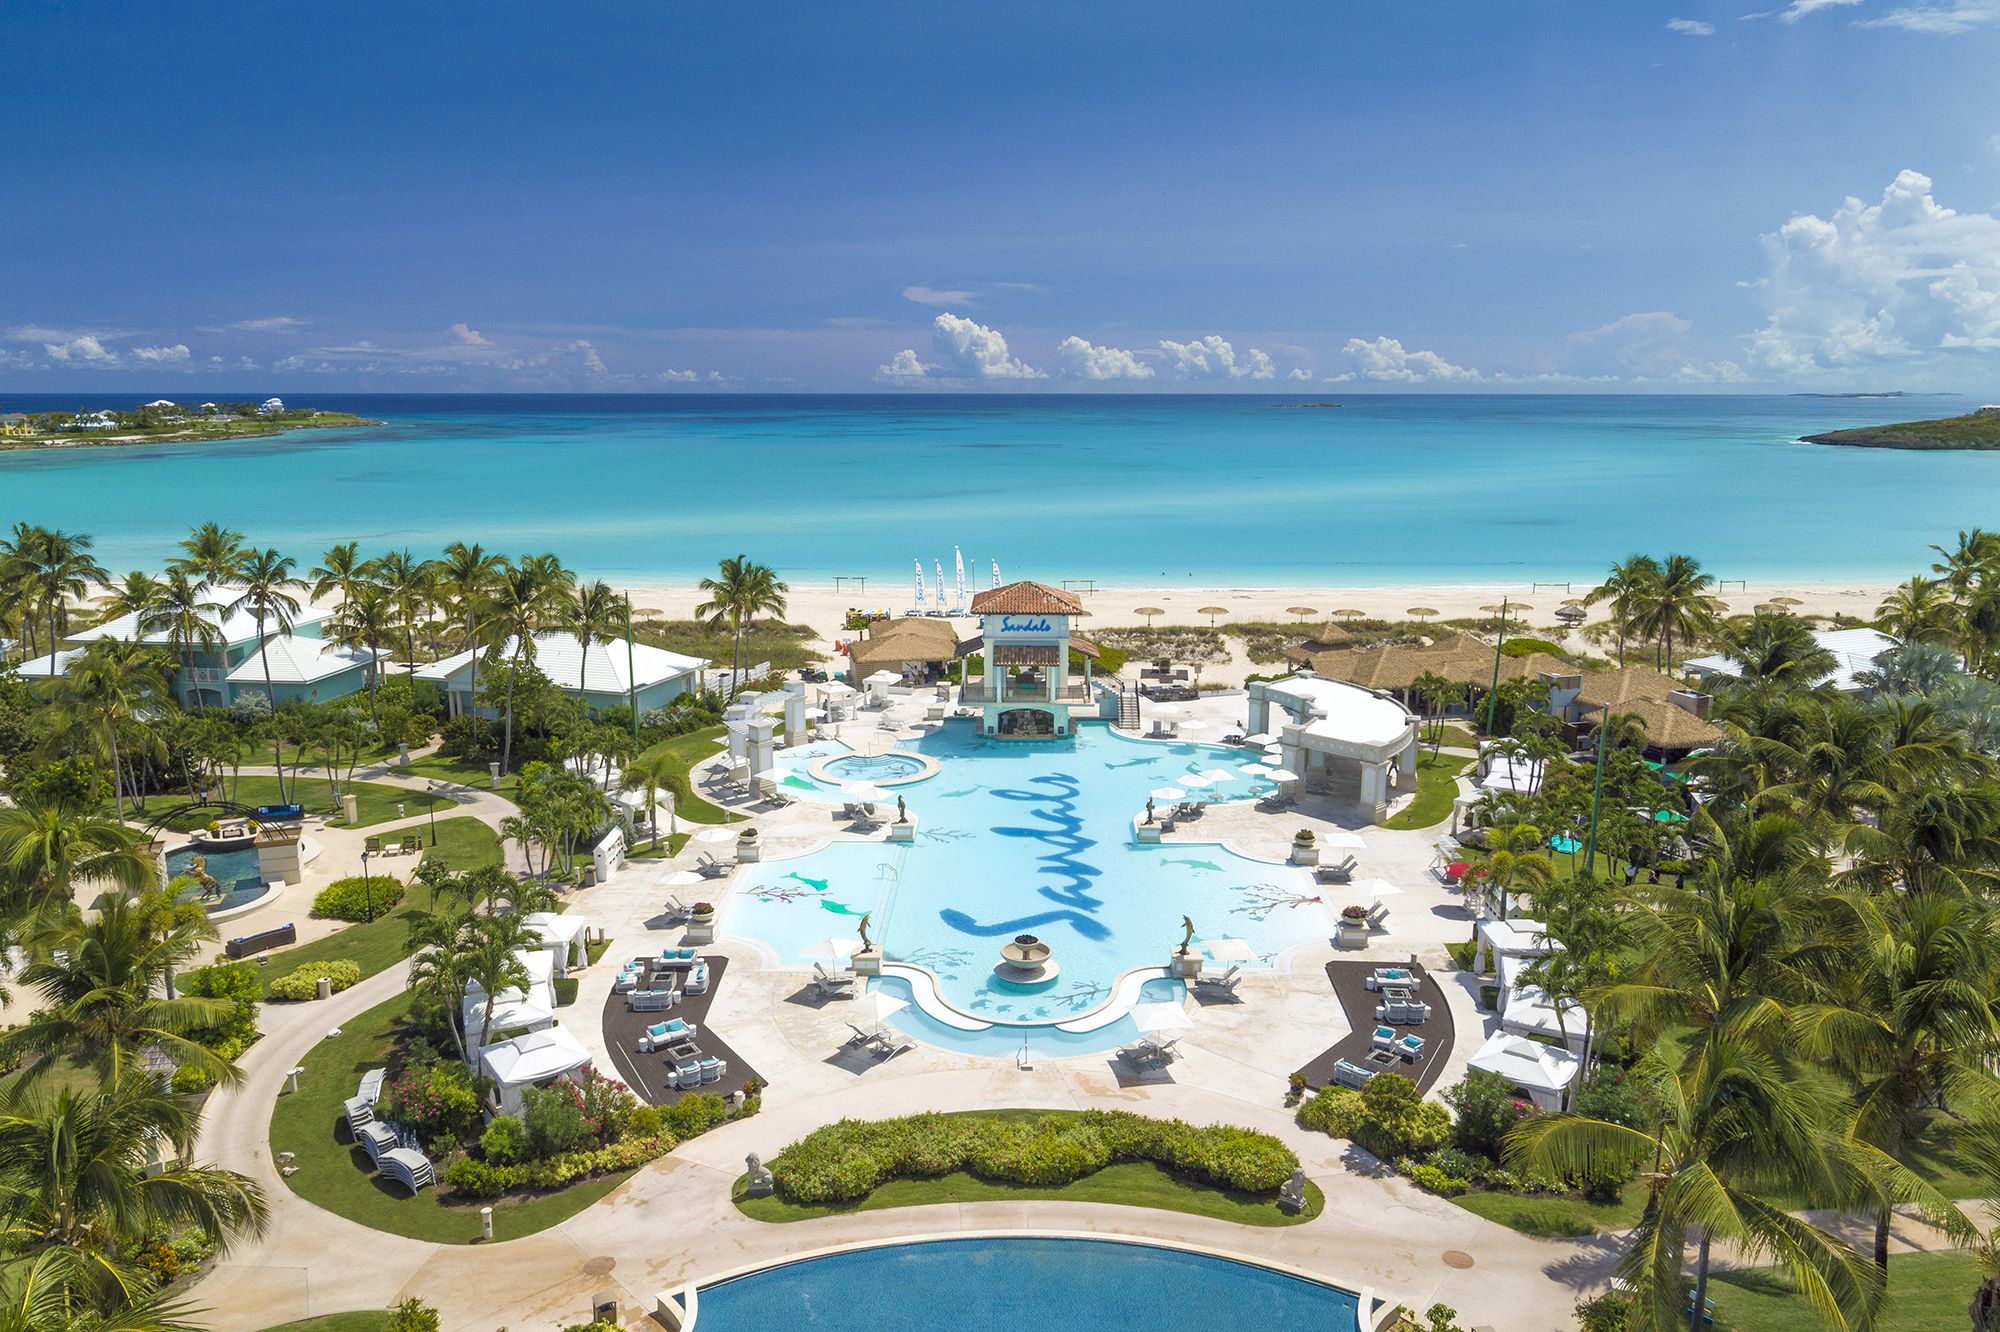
[214, 675]
[1024, 646]
[1459, 659]
[1356, 744]
[1855, 652]
[915, 647]
[1675, 717]
[15, 425]
[605, 676]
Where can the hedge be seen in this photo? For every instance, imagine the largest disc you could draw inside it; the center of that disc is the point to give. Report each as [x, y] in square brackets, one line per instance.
[354, 897]
[304, 982]
[849, 1160]
[686, 1118]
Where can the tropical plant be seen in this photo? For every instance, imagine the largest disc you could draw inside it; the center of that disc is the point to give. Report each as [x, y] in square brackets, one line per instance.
[740, 591]
[184, 613]
[266, 587]
[1627, 587]
[108, 694]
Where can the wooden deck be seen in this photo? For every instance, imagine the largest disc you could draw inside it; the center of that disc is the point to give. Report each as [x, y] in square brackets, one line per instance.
[1358, 1002]
[646, 1074]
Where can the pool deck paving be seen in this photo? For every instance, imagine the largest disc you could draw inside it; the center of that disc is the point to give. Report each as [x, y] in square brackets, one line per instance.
[673, 1221]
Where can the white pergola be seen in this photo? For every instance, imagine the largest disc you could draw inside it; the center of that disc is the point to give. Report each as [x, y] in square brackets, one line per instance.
[532, 1060]
[1543, 1073]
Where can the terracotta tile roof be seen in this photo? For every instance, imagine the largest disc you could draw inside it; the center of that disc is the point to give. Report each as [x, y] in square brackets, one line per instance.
[1026, 599]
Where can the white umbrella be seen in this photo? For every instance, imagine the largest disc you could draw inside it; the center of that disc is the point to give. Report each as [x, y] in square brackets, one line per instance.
[883, 678]
[769, 774]
[1166, 711]
[1191, 724]
[831, 950]
[875, 1006]
[1195, 779]
[683, 879]
[715, 835]
[1149, 1018]
[1343, 841]
[1169, 793]
[1219, 775]
[1258, 769]
[1377, 888]
[1261, 738]
[837, 687]
[815, 713]
[1284, 775]
[1229, 950]
[866, 792]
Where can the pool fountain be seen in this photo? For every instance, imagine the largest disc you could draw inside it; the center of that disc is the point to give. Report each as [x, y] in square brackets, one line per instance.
[1026, 963]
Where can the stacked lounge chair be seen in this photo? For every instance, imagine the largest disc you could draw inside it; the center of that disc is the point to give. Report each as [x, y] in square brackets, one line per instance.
[408, 1167]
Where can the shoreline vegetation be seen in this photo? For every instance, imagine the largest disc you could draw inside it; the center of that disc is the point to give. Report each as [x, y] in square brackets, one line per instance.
[164, 422]
[1978, 431]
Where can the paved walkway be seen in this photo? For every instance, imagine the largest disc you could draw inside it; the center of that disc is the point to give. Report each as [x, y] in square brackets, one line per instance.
[673, 1221]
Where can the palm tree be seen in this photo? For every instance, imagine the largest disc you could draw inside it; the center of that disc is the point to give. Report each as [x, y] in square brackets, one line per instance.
[107, 692]
[1436, 694]
[407, 581]
[81, 1173]
[365, 619]
[211, 553]
[53, 569]
[1969, 563]
[592, 613]
[343, 571]
[60, 1290]
[265, 578]
[47, 847]
[1678, 604]
[136, 595]
[1920, 610]
[465, 576]
[1914, 668]
[1775, 650]
[1626, 588]
[516, 609]
[740, 591]
[97, 979]
[1910, 1023]
[186, 615]
[652, 770]
[440, 941]
[1513, 862]
[488, 957]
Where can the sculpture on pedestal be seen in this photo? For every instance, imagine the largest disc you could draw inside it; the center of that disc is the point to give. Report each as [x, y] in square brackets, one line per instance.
[1187, 941]
[759, 1182]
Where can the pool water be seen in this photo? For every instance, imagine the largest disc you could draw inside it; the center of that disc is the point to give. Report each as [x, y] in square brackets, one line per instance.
[874, 767]
[235, 870]
[1033, 837]
[1011, 1283]
[1036, 1042]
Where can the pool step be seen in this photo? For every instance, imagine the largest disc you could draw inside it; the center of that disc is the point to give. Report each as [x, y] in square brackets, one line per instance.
[1128, 709]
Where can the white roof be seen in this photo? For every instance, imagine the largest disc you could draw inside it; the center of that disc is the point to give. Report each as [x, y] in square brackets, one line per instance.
[40, 667]
[514, 1012]
[1512, 772]
[236, 626]
[554, 927]
[1347, 712]
[1529, 1010]
[163, 402]
[295, 660]
[558, 657]
[534, 1057]
[1854, 651]
[1526, 1063]
[1517, 938]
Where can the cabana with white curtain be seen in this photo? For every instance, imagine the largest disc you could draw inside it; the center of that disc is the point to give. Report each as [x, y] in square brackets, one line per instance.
[533, 1060]
[1527, 1010]
[1496, 940]
[1542, 1073]
[561, 934]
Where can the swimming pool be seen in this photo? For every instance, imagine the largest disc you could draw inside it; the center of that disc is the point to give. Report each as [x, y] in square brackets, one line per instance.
[1013, 1282]
[1019, 837]
[235, 870]
[874, 767]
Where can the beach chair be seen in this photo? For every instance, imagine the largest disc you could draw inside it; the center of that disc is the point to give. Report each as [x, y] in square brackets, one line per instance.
[1340, 873]
[408, 1167]
[1143, 1056]
[1378, 916]
[411, 843]
[370, 1089]
[360, 1114]
[709, 867]
[676, 910]
[831, 982]
[1223, 981]
[376, 1140]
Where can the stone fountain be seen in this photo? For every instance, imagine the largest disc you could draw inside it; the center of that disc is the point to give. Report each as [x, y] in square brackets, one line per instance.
[1027, 962]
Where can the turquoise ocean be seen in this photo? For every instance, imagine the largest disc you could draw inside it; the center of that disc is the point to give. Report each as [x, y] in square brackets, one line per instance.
[1153, 491]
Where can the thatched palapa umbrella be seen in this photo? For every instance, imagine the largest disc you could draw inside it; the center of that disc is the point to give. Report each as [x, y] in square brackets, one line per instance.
[1786, 601]
[1420, 612]
[1149, 612]
[1303, 610]
[1211, 612]
[1350, 614]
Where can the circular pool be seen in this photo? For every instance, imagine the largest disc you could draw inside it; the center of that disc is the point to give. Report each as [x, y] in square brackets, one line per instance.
[235, 871]
[1009, 1282]
[895, 768]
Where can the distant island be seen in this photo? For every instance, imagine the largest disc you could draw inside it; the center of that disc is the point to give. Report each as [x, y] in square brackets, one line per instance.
[1305, 404]
[162, 421]
[1976, 430]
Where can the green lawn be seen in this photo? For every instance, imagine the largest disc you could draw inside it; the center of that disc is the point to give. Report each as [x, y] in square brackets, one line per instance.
[459, 772]
[688, 750]
[1934, 1155]
[464, 843]
[1557, 1217]
[372, 945]
[368, 1320]
[1437, 788]
[1129, 1183]
[335, 1175]
[376, 803]
[1927, 1292]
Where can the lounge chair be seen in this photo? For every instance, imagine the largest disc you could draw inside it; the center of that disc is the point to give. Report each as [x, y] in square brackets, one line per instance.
[370, 1089]
[377, 1140]
[360, 1114]
[1341, 873]
[676, 910]
[831, 982]
[1378, 916]
[864, 1038]
[411, 843]
[709, 867]
[1225, 981]
[408, 1167]
[1352, 1075]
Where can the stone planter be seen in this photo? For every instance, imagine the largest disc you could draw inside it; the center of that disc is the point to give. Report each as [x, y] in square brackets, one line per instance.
[1145, 833]
[1184, 966]
[749, 848]
[1352, 934]
[1305, 852]
[903, 832]
[700, 927]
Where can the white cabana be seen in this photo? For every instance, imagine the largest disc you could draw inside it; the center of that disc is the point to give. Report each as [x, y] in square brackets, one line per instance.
[1542, 1073]
[512, 1014]
[1530, 1012]
[532, 1060]
[559, 934]
[1497, 939]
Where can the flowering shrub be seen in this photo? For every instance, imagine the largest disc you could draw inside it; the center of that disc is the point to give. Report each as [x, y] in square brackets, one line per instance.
[1332, 1111]
[1433, 1180]
[505, 1141]
[437, 1102]
[849, 1160]
[570, 1116]
[304, 982]
[352, 898]
[1487, 1111]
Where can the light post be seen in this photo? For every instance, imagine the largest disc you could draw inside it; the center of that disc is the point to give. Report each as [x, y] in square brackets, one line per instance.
[1596, 794]
[1493, 694]
[430, 789]
[367, 887]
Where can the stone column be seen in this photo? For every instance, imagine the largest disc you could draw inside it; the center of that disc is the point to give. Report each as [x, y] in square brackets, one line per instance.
[795, 719]
[1406, 763]
[1260, 710]
[1374, 789]
[761, 746]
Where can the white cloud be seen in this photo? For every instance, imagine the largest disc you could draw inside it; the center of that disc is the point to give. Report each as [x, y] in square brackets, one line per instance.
[82, 349]
[1947, 18]
[974, 351]
[1300, 373]
[1691, 27]
[1388, 361]
[466, 335]
[1800, 8]
[1899, 280]
[691, 377]
[1084, 360]
[923, 295]
[592, 362]
[274, 324]
[1213, 357]
[162, 355]
[904, 365]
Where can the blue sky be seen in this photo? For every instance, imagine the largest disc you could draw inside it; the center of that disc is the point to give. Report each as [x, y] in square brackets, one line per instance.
[1549, 194]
